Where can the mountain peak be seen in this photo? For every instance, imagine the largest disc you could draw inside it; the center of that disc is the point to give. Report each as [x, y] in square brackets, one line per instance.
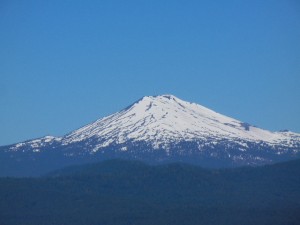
[165, 97]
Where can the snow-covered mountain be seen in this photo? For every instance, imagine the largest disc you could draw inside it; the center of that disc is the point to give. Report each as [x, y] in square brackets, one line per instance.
[166, 128]
[163, 120]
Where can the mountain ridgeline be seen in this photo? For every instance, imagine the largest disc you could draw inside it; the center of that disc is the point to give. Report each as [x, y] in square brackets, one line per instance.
[129, 192]
[155, 129]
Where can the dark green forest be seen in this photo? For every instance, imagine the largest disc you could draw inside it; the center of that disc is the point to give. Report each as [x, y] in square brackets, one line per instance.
[129, 192]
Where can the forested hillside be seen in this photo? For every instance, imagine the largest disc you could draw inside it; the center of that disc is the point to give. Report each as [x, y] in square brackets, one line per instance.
[128, 192]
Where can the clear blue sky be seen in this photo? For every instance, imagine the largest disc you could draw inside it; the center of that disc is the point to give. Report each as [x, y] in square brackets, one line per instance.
[64, 64]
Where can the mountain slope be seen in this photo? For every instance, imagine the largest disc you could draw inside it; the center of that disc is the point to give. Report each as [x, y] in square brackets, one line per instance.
[163, 129]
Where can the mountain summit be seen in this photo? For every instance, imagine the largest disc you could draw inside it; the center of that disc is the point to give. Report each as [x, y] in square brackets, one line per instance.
[164, 128]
